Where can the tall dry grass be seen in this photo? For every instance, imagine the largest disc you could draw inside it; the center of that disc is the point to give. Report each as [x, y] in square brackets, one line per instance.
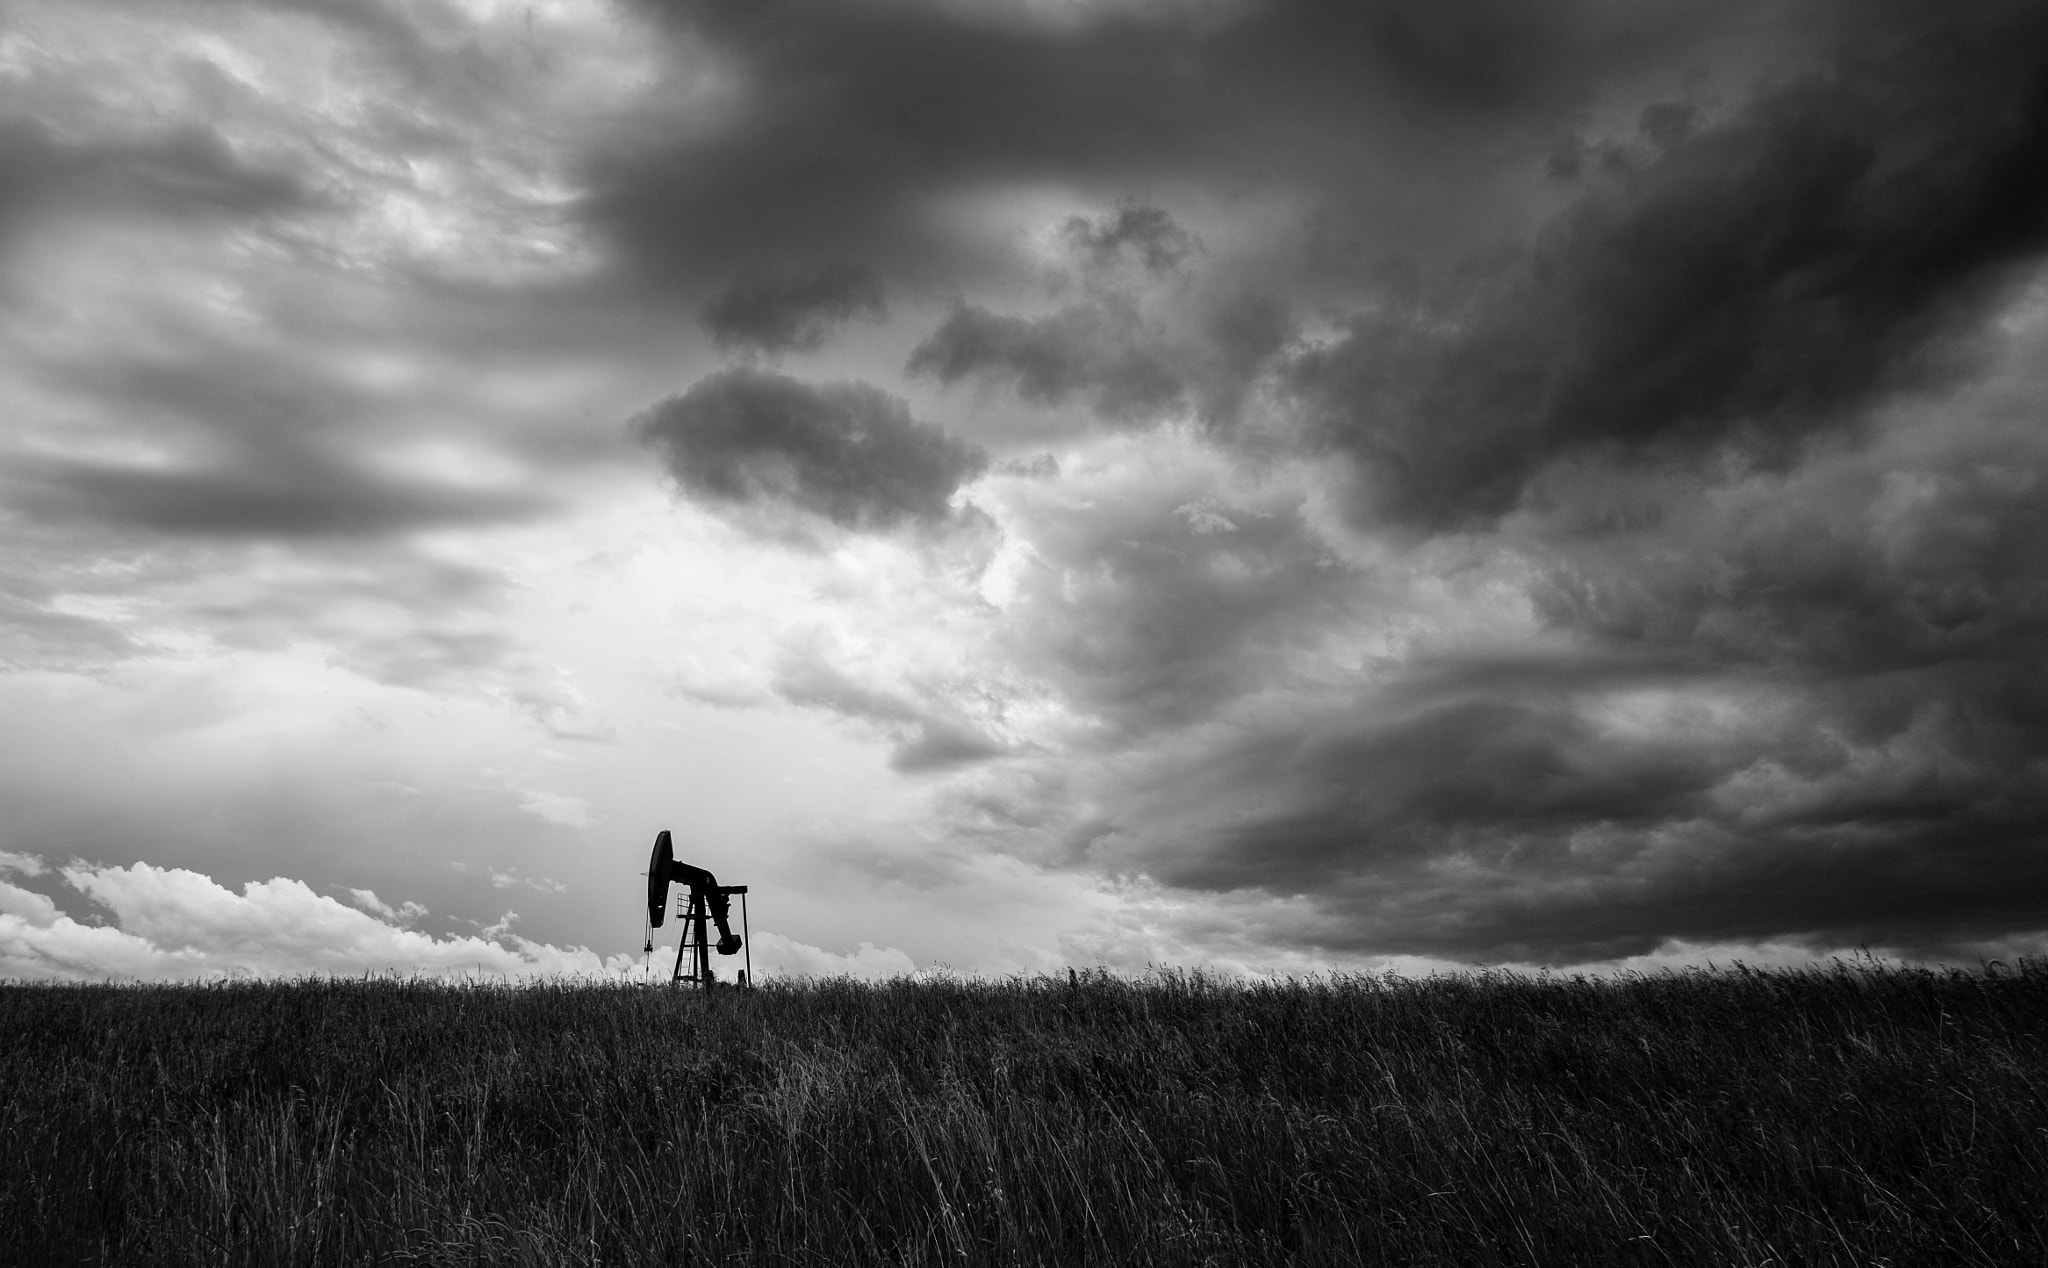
[1858, 1115]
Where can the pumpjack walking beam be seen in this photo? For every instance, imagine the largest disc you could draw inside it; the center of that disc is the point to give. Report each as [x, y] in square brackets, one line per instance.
[707, 900]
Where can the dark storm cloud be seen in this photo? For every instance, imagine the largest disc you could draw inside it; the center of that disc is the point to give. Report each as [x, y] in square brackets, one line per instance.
[1810, 707]
[1869, 626]
[1878, 570]
[1740, 285]
[835, 125]
[1101, 352]
[1104, 351]
[1509, 823]
[1473, 755]
[848, 452]
[792, 309]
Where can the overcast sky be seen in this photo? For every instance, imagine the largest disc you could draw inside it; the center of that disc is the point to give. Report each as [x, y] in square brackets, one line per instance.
[1248, 483]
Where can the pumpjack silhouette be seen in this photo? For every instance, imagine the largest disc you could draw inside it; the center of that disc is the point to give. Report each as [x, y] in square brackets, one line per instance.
[706, 899]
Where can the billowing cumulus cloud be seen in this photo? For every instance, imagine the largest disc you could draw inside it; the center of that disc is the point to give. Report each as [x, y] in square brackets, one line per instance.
[792, 309]
[847, 452]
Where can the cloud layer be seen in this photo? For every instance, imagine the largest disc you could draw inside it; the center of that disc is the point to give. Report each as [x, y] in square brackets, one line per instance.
[1264, 482]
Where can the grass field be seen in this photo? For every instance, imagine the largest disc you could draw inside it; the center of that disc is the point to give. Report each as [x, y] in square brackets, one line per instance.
[1858, 1115]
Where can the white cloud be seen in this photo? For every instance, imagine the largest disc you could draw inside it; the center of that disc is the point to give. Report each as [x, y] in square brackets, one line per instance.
[543, 884]
[367, 899]
[20, 864]
[21, 904]
[175, 924]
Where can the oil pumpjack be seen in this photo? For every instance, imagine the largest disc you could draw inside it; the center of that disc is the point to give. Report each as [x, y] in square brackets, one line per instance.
[707, 899]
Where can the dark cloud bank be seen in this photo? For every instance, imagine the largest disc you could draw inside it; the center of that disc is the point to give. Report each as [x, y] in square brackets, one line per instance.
[1738, 409]
[1748, 303]
[1740, 287]
[852, 117]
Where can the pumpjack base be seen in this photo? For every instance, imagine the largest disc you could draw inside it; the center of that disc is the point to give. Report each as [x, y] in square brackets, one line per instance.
[695, 949]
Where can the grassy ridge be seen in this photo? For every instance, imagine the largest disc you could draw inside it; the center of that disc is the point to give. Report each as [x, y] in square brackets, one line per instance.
[1857, 1115]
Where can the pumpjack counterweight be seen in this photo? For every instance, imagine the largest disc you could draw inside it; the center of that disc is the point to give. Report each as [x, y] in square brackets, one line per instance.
[703, 900]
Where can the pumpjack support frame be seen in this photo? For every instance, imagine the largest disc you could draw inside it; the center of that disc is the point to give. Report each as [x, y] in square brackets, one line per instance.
[692, 910]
